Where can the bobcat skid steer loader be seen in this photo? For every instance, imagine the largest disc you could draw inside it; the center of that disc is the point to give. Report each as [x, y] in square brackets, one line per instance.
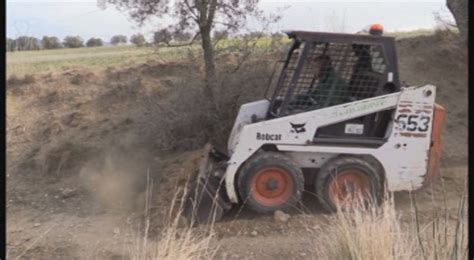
[336, 117]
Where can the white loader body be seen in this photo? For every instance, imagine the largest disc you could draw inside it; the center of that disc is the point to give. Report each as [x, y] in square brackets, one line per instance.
[404, 155]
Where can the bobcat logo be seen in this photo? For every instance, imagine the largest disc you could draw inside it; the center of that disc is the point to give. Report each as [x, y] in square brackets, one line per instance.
[297, 128]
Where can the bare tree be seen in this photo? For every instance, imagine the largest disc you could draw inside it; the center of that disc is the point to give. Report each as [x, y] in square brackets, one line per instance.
[182, 36]
[459, 9]
[221, 34]
[197, 16]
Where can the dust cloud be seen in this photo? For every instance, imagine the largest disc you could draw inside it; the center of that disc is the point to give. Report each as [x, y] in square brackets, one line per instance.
[117, 178]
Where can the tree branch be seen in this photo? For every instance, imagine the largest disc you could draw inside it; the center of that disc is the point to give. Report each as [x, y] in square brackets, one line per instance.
[191, 10]
[218, 40]
[201, 7]
[246, 55]
[183, 44]
[229, 25]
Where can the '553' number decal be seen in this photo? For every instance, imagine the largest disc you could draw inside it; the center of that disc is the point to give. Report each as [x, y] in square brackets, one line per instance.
[413, 123]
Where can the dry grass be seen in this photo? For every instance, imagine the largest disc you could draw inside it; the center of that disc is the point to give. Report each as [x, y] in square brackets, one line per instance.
[14, 80]
[410, 34]
[372, 233]
[184, 120]
[380, 233]
[375, 232]
[177, 241]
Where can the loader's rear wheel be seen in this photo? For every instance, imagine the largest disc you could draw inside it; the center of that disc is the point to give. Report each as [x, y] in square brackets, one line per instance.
[347, 182]
[270, 181]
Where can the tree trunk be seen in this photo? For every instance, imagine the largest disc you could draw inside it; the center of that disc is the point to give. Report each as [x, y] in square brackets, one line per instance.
[205, 21]
[209, 65]
[459, 9]
[210, 85]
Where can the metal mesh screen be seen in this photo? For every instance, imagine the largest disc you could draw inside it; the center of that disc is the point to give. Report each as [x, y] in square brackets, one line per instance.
[332, 74]
[288, 74]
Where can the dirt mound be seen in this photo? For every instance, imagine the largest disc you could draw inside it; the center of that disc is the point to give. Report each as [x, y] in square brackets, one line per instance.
[168, 69]
[80, 76]
[439, 60]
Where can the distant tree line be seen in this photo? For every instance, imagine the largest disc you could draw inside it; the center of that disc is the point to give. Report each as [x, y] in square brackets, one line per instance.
[164, 36]
[28, 43]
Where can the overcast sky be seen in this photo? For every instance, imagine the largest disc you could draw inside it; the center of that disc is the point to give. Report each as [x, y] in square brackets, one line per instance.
[85, 18]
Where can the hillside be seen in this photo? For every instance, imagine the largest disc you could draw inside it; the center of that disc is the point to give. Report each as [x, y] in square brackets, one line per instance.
[81, 141]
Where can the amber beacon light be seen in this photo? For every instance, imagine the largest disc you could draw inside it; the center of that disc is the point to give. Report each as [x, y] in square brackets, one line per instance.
[376, 29]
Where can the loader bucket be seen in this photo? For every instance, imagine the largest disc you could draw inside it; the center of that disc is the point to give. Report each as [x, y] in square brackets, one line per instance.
[206, 200]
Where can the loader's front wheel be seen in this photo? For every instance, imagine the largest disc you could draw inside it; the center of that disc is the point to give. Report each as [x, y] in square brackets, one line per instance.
[270, 181]
[348, 182]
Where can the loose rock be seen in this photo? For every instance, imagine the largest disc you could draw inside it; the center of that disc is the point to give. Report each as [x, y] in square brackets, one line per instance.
[254, 233]
[281, 217]
[66, 193]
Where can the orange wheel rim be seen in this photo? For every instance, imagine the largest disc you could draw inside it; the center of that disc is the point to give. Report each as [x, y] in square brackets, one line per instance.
[272, 187]
[348, 187]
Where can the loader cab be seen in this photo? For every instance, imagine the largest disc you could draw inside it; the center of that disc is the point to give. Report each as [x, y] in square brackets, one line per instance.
[327, 69]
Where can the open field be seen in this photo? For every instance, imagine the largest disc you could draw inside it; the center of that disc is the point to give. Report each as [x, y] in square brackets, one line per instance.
[45, 61]
[91, 127]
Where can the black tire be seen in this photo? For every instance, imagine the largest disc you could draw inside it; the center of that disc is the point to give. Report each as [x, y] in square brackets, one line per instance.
[342, 169]
[283, 177]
